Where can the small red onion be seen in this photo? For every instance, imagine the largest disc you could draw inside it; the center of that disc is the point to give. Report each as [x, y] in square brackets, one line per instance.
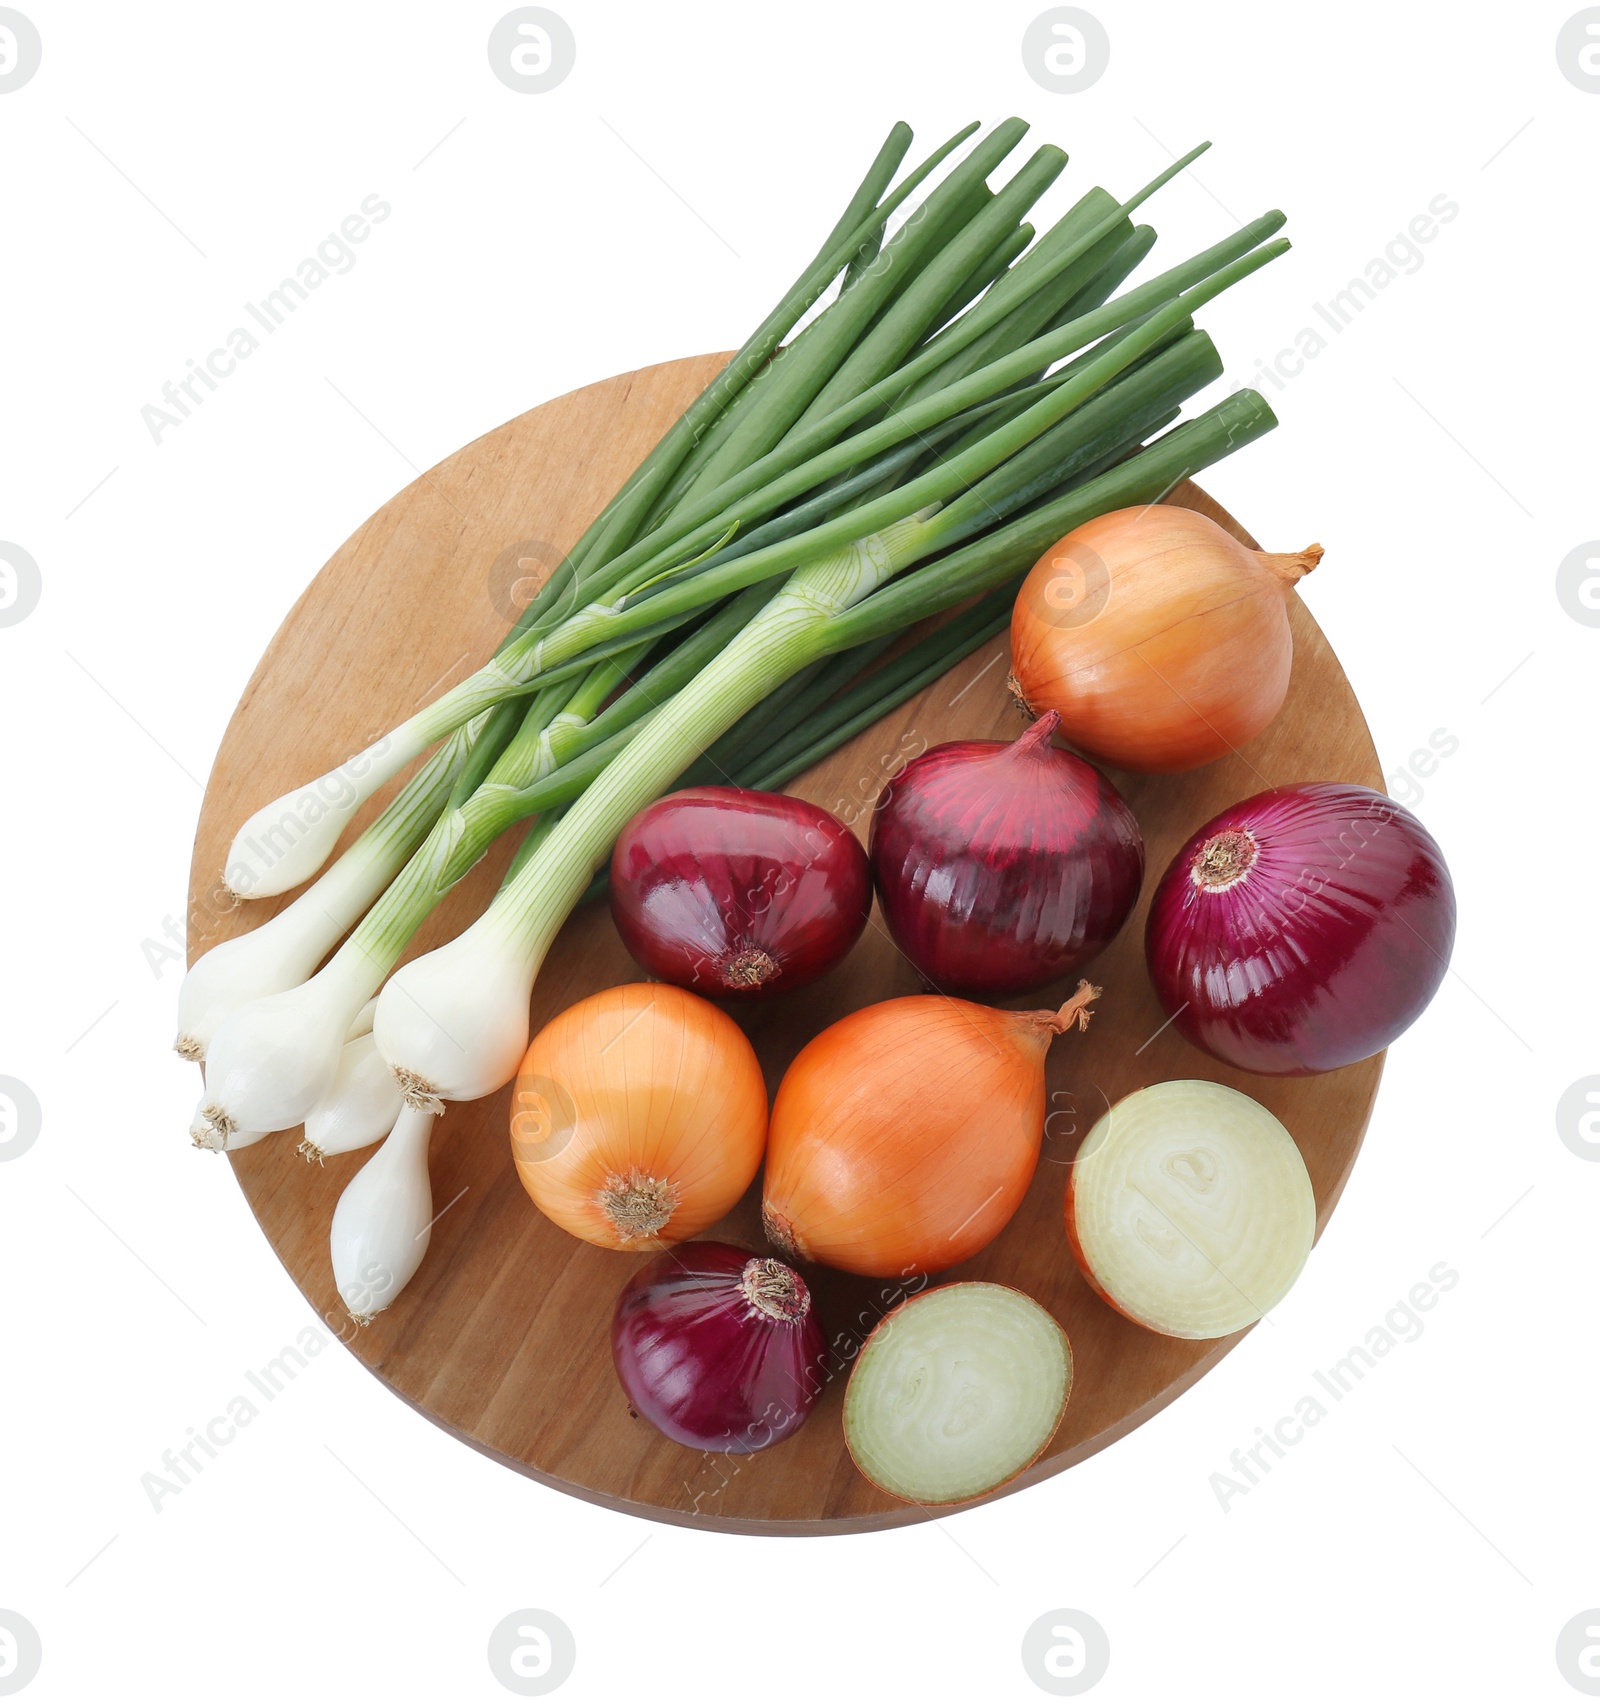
[1003, 867]
[732, 892]
[1302, 929]
[719, 1348]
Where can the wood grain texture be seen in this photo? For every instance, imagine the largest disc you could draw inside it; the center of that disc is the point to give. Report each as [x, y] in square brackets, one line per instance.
[502, 1338]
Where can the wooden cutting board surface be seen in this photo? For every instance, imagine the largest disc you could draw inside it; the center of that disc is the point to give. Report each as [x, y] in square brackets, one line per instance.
[502, 1337]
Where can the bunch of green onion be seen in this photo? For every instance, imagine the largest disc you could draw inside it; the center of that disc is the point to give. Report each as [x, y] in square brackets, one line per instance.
[971, 393]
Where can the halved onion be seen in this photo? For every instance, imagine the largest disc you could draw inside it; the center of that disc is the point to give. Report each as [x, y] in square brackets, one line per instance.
[1190, 1210]
[956, 1392]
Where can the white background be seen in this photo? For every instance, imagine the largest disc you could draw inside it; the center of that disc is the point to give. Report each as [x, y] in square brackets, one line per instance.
[1435, 1533]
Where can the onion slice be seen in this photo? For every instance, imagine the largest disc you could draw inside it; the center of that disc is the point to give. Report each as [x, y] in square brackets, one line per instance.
[956, 1392]
[1190, 1210]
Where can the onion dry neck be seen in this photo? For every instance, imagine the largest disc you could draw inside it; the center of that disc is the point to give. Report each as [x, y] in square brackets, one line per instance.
[1291, 566]
[781, 1233]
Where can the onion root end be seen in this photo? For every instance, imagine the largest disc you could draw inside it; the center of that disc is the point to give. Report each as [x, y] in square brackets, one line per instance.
[418, 1092]
[636, 1205]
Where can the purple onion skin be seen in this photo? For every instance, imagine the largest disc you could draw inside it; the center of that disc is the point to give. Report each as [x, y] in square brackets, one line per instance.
[704, 1363]
[1003, 867]
[1322, 950]
[734, 893]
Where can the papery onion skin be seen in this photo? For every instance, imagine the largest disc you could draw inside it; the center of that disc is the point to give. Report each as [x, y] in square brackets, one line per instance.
[1163, 642]
[904, 1136]
[1001, 867]
[734, 893]
[718, 1348]
[639, 1117]
[1302, 929]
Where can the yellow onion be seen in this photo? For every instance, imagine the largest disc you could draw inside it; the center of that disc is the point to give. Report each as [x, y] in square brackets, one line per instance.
[903, 1137]
[639, 1117]
[1160, 639]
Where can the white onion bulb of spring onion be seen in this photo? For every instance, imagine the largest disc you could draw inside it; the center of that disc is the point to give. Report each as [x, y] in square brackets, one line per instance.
[360, 1108]
[956, 1392]
[383, 1222]
[278, 954]
[288, 842]
[1190, 1210]
[453, 1024]
[276, 1058]
[205, 1135]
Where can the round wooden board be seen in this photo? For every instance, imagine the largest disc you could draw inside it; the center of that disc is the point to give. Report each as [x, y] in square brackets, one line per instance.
[502, 1336]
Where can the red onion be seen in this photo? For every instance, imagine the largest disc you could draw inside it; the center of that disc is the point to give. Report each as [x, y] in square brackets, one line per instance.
[719, 1348]
[1002, 867]
[732, 892]
[1301, 930]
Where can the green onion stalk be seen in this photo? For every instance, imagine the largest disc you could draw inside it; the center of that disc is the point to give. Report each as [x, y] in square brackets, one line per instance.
[286, 841]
